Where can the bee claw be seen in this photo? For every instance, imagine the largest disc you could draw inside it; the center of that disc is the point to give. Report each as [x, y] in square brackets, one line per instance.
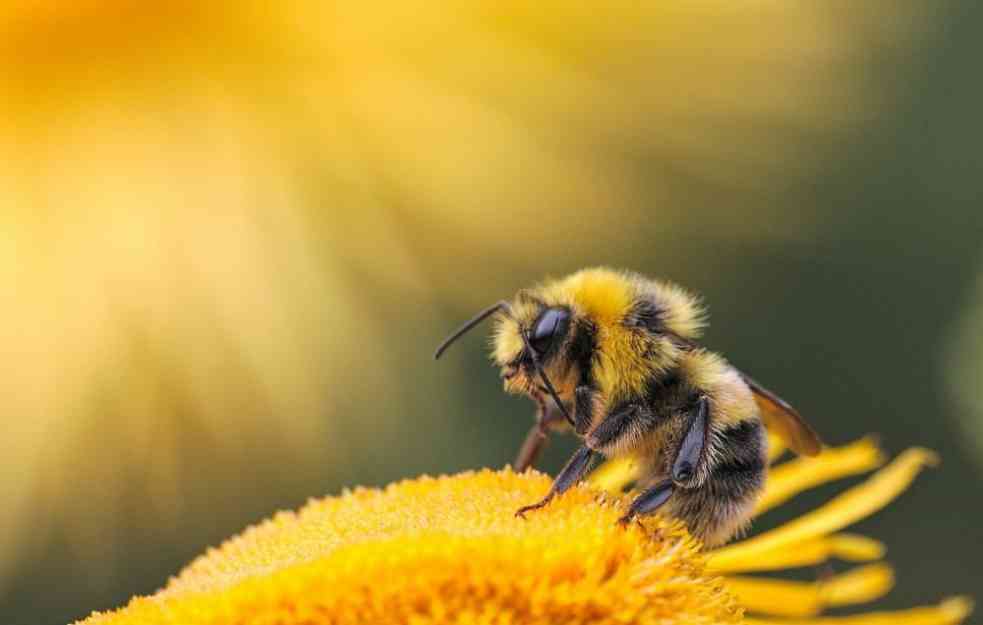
[521, 512]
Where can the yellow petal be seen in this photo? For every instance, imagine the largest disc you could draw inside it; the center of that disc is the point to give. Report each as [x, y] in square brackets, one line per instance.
[862, 584]
[776, 447]
[850, 547]
[795, 476]
[849, 507]
[949, 612]
[615, 474]
[788, 598]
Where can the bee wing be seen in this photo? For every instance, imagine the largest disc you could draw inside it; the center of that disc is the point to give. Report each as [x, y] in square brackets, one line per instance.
[784, 420]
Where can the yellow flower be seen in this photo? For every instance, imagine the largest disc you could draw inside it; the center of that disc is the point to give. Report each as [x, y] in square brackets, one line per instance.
[448, 550]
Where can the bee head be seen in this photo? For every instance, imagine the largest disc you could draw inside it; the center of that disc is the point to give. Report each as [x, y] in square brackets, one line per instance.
[529, 340]
[535, 339]
[616, 328]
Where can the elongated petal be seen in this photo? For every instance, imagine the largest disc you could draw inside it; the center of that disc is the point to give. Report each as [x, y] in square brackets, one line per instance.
[849, 507]
[776, 447]
[949, 612]
[788, 598]
[795, 476]
[860, 585]
[850, 547]
[615, 474]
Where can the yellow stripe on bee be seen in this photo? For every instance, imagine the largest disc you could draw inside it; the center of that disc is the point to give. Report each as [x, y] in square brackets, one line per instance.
[623, 370]
[607, 297]
[604, 295]
[733, 403]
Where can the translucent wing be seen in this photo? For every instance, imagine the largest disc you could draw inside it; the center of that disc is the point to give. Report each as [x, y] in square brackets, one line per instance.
[784, 420]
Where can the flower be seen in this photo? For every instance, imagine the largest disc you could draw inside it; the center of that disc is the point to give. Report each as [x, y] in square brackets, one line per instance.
[449, 550]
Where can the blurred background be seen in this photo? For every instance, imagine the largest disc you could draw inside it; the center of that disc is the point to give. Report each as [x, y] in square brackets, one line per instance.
[231, 234]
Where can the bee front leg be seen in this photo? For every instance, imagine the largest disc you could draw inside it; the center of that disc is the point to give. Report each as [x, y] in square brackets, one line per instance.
[549, 418]
[583, 403]
[531, 447]
[570, 475]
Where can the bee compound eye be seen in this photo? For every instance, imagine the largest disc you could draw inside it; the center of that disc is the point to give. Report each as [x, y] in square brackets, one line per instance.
[546, 328]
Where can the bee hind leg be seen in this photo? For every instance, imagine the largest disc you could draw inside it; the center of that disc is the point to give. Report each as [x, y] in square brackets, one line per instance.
[570, 475]
[690, 451]
[649, 501]
[684, 466]
[723, 504]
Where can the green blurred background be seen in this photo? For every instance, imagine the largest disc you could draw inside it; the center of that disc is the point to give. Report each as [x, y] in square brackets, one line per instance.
[231, 235]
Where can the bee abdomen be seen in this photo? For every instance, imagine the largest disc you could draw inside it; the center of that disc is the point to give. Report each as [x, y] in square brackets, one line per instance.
[722, 505]
[739, 449]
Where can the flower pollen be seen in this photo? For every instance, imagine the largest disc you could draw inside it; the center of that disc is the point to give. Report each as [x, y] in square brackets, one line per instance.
[450, 550]
[442, 550]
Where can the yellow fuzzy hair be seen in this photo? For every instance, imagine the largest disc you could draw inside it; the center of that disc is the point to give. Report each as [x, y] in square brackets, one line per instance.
[682, 312]
[732, 399]
[606, 297]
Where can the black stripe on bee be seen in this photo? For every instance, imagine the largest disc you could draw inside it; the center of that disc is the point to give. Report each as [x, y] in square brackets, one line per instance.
[666, 397]
[646, 315]
[582, 351]
[740, 460]
[669, 394]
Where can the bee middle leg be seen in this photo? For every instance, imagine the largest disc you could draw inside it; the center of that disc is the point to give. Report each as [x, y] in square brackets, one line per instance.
[649, 501]
[684, 465]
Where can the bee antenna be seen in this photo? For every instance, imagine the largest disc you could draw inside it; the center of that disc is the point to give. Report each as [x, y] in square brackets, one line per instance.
[502, 306]
[546, 380]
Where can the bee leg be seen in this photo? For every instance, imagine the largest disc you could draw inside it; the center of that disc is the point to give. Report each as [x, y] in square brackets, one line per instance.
[583, 402]
[614, 428]
[531, 447]
[684, 465]
[549, 418]
[570, 475]
[691, 449]
[649, 501]
[721, 505]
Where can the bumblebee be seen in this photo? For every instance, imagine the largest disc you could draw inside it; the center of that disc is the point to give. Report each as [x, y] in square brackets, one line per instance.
[613, 356]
